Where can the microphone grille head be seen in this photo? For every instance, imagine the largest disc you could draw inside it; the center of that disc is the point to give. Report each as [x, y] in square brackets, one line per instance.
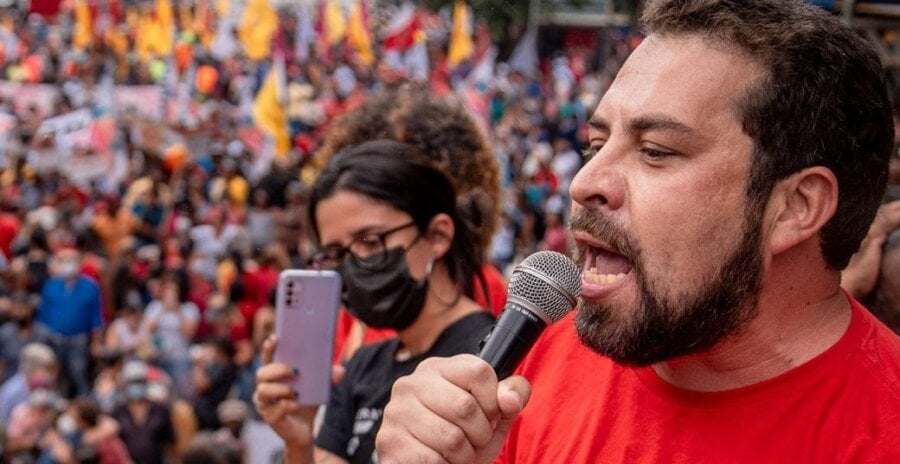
[549, 282]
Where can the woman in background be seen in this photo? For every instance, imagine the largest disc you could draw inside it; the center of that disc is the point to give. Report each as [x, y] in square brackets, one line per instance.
[388, 222]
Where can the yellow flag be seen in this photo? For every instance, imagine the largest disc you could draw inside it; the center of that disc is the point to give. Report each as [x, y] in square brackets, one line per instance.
[260, 22]
[268, 111]
[223, 8]
[164, 12]
[358, 34]
[82, 33]
[335, 29]
[461, 45]
[154, 36]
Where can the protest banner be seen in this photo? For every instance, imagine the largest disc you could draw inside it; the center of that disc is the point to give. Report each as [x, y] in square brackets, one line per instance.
[144, 100]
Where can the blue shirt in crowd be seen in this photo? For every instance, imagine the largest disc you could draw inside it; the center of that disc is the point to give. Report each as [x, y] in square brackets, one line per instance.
[70, 309]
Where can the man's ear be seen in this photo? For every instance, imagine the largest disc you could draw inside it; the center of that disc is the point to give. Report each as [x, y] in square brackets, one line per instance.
[800, 206]
[440, 234]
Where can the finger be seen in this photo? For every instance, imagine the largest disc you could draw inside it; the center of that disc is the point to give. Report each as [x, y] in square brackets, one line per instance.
[457, 407]
[474, 375]
[397, 446]
[276, 372]
[890, 213]
[272, 392]
[273, 413]
[512, 396]
[337, 374]
[268, 348]
[448, 437]
[460, 391]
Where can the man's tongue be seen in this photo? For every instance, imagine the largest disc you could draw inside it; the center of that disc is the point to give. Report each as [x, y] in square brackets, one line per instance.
[607, 267]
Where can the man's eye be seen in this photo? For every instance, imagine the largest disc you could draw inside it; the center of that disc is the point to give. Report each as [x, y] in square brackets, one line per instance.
[653, 154]
[590, 152]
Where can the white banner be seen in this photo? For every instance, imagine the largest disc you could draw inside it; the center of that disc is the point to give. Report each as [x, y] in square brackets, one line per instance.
[69, 130]
[145, 100]
[40, 96]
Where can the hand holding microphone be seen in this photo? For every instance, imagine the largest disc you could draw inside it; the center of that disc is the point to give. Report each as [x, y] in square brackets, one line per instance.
[460, 409]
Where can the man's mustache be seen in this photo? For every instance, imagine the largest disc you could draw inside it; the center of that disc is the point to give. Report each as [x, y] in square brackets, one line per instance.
[603, 228]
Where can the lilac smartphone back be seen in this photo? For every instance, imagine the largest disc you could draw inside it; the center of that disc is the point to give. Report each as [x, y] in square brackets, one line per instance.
[305, 319]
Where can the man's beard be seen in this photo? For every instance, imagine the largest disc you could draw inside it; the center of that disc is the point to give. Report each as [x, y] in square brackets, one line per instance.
[664, 326]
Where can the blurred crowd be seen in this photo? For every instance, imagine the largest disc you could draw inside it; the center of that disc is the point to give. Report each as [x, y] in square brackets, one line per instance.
[140, 248]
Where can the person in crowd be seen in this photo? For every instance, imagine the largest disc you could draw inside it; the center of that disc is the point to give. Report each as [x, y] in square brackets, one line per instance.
[213, 374]
[233, 414]
[29, 424]
[736, 163]
[127, 334]
[87, 432]
[113, 225]
[71, 311]
[205, 449]
[556, 237]
[872, 274]
[18, 332]
[111, 361]
[213, 237]
[389, 223]
[171, 322]
[261, 219]
[145, 426]
[38, 369]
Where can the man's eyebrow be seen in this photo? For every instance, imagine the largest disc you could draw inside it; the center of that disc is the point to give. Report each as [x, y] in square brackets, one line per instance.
[598, 123]
[644, 123]
[647, 123]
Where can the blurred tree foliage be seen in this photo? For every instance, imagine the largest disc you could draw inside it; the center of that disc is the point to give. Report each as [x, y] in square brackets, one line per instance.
[509, 17]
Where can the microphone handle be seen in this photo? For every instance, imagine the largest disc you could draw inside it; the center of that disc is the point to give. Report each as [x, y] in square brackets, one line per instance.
[512, 336]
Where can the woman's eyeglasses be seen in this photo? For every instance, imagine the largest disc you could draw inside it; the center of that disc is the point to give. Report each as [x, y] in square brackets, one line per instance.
[368, 249]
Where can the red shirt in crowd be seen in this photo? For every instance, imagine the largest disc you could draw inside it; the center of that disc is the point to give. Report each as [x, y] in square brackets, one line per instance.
[842, 406]
[9, 227]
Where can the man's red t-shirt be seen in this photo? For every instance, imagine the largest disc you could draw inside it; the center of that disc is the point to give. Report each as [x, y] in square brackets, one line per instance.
[842, 406]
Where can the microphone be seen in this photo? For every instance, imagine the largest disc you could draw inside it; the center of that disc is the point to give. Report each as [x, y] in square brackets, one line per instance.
[542, 290]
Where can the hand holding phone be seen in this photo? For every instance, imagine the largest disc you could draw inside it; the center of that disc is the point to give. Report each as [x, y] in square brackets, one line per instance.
[305, 317]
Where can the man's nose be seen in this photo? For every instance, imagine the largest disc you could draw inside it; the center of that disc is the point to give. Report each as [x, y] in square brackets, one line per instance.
[600, 183]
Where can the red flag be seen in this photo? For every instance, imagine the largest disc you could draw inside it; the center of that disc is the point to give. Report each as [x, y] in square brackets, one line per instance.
[400, 34]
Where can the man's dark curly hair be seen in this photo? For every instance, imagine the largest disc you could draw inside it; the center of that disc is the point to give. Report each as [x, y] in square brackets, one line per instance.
[822, 102]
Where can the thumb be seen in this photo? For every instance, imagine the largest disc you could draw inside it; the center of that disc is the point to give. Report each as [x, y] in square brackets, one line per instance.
[512, 396]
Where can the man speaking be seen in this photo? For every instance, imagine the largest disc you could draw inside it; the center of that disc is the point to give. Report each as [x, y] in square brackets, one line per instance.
[735, 165]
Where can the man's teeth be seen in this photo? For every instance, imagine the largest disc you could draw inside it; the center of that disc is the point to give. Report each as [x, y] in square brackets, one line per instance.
[591, 275]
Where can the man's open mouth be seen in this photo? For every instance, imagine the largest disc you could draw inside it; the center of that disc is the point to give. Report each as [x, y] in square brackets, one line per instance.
[602, 265]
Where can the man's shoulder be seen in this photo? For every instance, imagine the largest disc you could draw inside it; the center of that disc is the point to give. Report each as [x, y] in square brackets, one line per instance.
[879, 354]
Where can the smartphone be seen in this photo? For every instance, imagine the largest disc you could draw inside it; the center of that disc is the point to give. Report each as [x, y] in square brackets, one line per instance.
[306, 309]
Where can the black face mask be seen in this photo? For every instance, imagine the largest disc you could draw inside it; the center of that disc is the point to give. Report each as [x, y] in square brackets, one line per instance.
[386, 297]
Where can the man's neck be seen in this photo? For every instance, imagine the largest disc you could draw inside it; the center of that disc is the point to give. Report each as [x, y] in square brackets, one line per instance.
[795, 323]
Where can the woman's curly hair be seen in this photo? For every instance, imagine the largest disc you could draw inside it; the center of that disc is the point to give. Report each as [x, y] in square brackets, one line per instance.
[441, 128]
